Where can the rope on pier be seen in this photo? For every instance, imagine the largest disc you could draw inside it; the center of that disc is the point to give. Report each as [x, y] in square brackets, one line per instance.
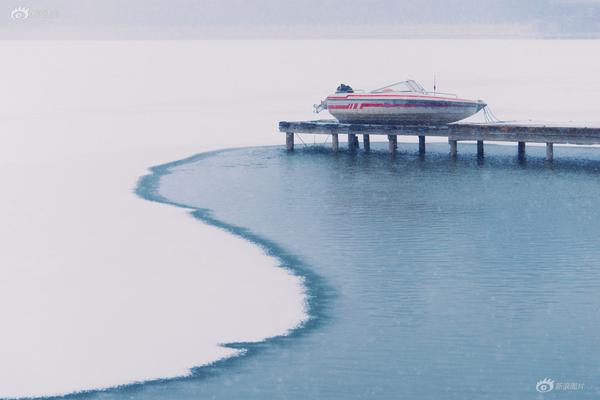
[489, 116]
[314, 139]
[300, 137]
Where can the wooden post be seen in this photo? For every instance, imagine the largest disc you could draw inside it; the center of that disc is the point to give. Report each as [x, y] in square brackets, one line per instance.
[549, 151]
[335, 144]
[392, 143]
[480, 148]
[289, 141]
[367, 142]
[421, 144]
[352, 141]
[453, 147]
[521, 149]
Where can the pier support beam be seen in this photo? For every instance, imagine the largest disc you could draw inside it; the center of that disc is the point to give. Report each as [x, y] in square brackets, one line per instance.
[335, 142]
[521, 149]
[289, 141]
[367, 142]
[352, 141]
[549, 151]
[453, 147]
[421, 144]
[480, 148]
[392, 143]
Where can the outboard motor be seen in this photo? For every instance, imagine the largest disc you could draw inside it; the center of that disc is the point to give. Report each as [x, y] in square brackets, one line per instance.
[344, 89]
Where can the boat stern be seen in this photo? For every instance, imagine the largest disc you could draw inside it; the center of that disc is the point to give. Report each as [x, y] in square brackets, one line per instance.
[481, 105]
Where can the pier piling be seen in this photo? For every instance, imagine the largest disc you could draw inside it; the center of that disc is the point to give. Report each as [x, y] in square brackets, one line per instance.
[335, 143]
[453, 147]
[367, 142]
[480, 148]
[289, 141]
[549, 151]
[521, 150]
[352, 142]
[392, 143]
[421, 144]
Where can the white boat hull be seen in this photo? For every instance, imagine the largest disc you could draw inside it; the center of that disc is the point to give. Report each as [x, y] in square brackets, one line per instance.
[400, 109]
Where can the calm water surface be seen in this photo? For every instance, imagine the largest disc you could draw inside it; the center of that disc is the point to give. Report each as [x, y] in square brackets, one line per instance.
[434, 279]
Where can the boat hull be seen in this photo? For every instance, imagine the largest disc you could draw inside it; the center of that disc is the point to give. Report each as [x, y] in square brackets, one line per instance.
[401, 110]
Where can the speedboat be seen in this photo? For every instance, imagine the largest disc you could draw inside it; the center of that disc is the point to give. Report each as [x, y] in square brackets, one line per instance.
[401, 103]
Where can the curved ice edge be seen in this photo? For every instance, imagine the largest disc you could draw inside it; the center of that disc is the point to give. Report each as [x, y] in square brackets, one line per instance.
[317, 293]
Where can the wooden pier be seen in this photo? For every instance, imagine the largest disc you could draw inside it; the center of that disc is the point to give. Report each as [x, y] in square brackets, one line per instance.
[521, 133]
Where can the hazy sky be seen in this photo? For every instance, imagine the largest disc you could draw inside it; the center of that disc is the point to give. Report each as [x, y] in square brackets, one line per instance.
[228, 13]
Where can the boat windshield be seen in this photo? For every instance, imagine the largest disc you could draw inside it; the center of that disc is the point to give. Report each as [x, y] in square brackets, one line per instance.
[404, 86]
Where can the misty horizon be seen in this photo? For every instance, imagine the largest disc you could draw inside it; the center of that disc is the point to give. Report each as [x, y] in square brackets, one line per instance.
[310, 18]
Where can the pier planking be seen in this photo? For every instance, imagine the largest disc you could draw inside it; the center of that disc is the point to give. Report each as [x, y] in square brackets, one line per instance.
[521, 133]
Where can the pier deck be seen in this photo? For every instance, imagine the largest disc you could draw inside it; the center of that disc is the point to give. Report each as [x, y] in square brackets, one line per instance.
[479, 132]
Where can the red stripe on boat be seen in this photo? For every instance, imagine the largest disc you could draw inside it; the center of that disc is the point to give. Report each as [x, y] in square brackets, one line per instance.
[332, 107]
[403, 105]
[363, 105]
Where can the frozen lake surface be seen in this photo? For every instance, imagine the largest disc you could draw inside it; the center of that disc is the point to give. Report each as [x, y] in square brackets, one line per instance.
[432, 278]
